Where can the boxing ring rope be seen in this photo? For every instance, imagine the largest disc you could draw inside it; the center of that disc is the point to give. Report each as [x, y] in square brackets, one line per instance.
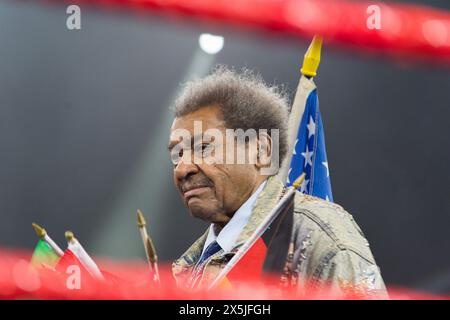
[406, 31]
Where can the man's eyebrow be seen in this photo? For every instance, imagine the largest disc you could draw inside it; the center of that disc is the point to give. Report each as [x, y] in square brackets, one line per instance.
[198, 137]
[174, 143]
[171, 145]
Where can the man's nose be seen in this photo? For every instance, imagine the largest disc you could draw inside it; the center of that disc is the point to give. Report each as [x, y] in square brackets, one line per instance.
[185, 168]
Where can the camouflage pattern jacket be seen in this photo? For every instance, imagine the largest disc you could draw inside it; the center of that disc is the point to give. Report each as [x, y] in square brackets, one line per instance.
[327, 247]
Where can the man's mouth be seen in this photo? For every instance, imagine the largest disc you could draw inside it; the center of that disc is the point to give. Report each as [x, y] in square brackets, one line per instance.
[194, 191]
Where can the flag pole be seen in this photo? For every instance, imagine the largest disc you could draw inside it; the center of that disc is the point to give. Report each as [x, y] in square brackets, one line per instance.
[150, 250]
[42, 234]
[306, 85]
[258, 231]
[77, 249]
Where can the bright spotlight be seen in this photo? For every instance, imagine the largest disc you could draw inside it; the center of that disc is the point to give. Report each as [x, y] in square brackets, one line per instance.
[210, 43]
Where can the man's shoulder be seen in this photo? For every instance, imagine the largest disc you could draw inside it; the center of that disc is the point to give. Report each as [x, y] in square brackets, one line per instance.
[329, 227]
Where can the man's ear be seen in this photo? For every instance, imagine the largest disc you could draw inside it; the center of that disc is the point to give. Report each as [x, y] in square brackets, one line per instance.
[264, 150]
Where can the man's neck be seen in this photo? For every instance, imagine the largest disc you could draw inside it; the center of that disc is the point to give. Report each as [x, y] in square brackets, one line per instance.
[218, 226]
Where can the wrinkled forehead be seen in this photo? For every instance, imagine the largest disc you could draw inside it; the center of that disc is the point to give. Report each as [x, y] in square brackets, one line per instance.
[197, 122]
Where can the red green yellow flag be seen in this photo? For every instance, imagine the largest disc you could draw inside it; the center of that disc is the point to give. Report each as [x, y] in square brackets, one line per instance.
[44, 254]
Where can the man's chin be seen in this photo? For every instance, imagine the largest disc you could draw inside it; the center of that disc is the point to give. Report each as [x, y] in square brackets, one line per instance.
[200, 211]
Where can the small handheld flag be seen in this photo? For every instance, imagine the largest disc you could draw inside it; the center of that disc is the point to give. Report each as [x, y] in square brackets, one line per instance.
[46, 251]
[306, 133]
[75, 248]
[275, 231]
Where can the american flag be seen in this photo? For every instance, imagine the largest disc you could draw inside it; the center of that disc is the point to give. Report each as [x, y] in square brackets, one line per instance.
[309, 154]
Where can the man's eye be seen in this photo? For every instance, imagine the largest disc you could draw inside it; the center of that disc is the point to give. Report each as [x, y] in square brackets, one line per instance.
[176, 156]
[203, 149]
[208, 151]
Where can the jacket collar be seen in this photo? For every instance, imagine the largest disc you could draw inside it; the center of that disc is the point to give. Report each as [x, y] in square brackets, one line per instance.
[267, 199]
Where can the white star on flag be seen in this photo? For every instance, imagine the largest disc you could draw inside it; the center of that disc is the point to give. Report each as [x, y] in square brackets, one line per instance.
[311, 127]
[308, 155]
[295, 145]
[325, 164]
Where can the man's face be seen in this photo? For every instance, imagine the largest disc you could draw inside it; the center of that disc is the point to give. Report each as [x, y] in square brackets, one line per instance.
[211, 191]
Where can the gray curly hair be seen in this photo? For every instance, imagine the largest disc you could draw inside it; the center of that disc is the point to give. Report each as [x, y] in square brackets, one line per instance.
[245, 100]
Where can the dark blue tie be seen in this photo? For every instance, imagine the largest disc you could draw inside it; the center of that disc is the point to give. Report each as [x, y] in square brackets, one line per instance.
[212, 248]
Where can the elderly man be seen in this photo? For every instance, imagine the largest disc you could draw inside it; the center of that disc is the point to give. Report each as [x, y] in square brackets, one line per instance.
[234, 196]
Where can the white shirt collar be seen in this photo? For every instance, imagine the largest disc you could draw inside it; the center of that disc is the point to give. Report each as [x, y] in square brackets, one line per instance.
[228, 235]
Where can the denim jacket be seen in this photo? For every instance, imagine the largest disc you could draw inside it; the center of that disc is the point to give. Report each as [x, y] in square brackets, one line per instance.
[327, 250]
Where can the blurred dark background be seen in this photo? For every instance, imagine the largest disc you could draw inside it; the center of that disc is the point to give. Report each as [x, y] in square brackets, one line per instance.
[84, 119]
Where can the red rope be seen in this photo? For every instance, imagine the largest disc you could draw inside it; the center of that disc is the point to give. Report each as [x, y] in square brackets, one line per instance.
[407, 31]
[131, 280]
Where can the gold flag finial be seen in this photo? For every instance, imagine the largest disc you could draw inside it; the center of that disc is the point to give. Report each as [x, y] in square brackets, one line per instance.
[69, 235]
[312, 57]
[298, 182]
[150, 250]
[140, 219]
[39, 230]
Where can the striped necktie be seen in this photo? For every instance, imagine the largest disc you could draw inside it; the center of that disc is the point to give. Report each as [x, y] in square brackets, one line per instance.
[212, 249]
